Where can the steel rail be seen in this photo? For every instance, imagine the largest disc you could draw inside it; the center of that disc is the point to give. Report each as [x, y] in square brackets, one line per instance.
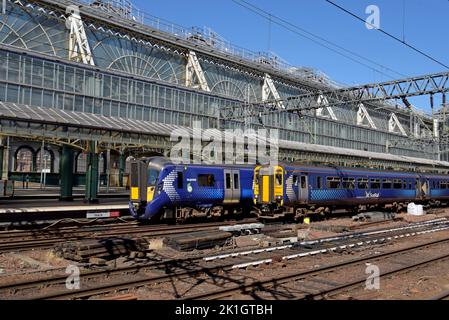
[151, 231]
[265, 284]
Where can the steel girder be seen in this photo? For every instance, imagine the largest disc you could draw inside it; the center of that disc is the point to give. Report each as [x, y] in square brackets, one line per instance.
[376, 92]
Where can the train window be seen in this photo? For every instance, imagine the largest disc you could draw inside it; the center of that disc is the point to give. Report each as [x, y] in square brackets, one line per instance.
[362, 184]
[279, 179]
[228, 180]
[386, 184]
[295, 180]
[375, 183]
[153, 176]
[349, 183]
[443, 185]
[303, 182]
[397, 184]
[319, 182]
[206, 180]
[236, 181]
[180, 180]
[134, 174]
[333, 183]
[410, 186]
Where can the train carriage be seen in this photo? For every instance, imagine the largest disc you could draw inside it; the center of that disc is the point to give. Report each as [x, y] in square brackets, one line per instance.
[160, 188]
[295, 190]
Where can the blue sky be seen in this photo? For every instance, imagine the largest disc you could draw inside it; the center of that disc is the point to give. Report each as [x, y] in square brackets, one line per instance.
[426, 27]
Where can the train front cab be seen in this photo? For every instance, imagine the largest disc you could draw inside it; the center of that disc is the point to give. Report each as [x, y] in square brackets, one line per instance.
[269, 188]
[141, 189]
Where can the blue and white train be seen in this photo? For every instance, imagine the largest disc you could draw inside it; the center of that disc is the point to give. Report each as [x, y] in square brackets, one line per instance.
[297, 190]
[160, 188]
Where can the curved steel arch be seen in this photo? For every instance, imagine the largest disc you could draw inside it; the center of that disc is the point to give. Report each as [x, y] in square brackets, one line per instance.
[124, 55]
[32, 31]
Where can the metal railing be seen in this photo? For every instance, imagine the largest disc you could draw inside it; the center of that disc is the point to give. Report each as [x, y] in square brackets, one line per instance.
[205, 36]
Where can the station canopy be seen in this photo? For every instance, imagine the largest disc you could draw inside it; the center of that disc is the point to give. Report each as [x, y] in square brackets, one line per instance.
[40, 115]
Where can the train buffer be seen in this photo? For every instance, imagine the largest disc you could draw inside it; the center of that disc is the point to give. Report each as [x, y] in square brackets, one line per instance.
[245, 229]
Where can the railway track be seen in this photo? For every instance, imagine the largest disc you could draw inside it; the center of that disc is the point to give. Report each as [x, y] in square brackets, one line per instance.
[442, 296]
[306, 284]
[169, 270]
[26, 240]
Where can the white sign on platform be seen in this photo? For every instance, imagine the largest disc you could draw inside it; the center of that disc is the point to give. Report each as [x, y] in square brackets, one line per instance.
[104, 214]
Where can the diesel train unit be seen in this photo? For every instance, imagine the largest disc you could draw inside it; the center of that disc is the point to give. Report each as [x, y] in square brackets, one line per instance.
[161, 189]
[297, 190]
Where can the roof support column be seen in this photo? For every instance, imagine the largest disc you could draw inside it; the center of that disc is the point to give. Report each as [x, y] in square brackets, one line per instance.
[322, 101]
[363, 115]
[91, 194]
[2, 149]
[269, 88]
[394, 125]
[121, 168]
[195, 71]
[79, 48]
[4, 163]
[66, 173]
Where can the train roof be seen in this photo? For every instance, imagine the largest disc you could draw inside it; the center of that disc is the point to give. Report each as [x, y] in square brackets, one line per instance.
[360, 170]
[163, 161]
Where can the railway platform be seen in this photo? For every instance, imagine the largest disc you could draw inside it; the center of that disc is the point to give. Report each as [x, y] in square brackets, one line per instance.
[47, 209]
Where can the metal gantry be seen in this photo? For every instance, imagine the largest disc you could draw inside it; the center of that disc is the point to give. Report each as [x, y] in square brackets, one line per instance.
[423, 85]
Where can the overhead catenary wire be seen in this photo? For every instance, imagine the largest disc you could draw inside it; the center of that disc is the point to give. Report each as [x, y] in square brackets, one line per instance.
[389, 34]
[336, 48]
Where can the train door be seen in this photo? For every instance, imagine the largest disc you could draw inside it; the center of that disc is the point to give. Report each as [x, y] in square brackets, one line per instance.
[266, 188]
[232, 186]
[295, 187]
[422, 189]
[426, 189]
[304, 188]
[418, 189]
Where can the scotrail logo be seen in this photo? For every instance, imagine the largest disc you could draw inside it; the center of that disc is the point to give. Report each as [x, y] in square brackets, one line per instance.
[370, 195]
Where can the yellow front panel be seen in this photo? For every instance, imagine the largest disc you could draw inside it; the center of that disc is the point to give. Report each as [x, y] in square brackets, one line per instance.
[150, 194]
[266, 189]
[279, 183]
[134, 193]
[256, 184]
